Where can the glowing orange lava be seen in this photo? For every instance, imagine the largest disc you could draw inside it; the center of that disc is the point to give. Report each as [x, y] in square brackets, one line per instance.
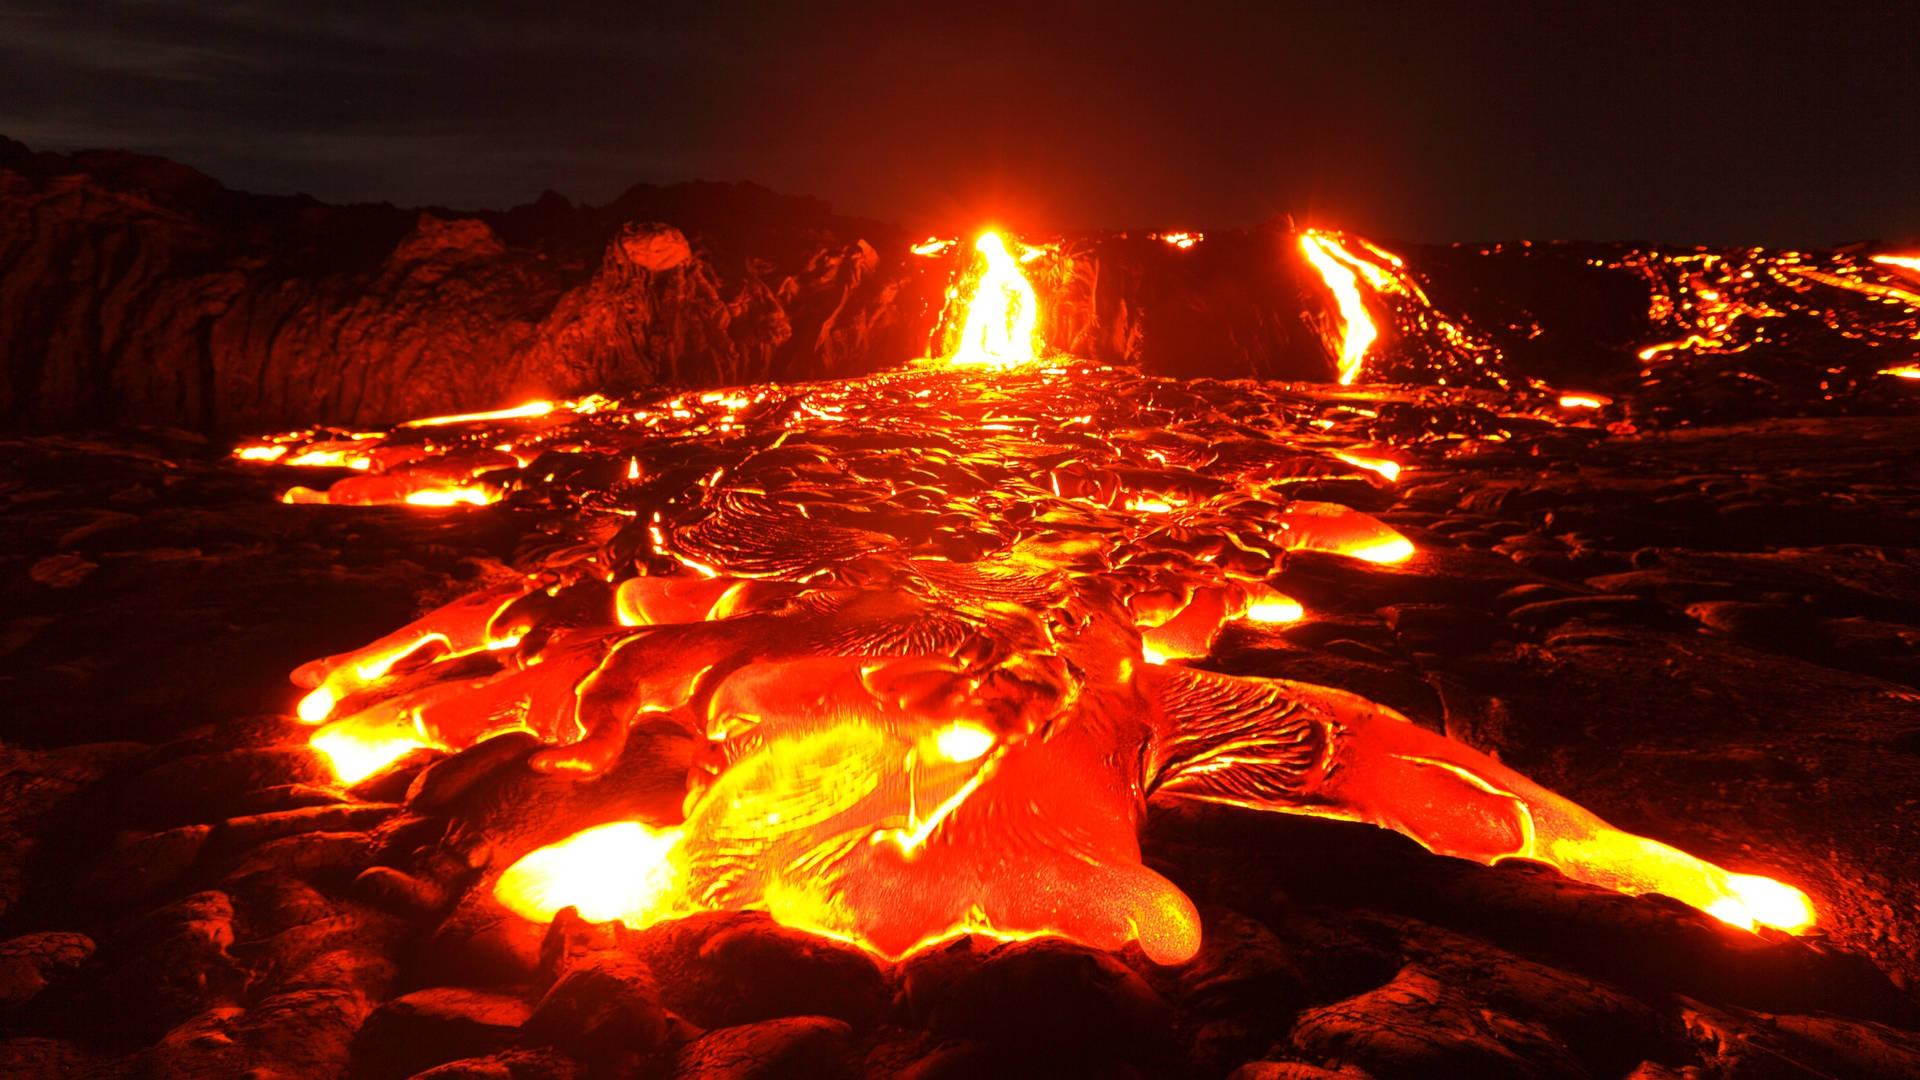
[622, 870]
[929, 633]
[1357, 329]
[531, 408]
[1386, 467]
[1003, 314]
[1584, 401]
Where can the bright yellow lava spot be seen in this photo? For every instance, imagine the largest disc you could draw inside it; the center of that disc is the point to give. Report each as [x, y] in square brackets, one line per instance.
[623, 871]
[315, 706]
[1583, 401]
[1904, 371]
[1358, 329]
[963, 742]
[1767, 902]
[1181, 240]
[1390, 470]
[1905, 262]
[1691, 341]
[331, 459]
[1004, 312]
[358, 754]
[260, 453]
[470, 496]
[1398, 549]
[1282, 610]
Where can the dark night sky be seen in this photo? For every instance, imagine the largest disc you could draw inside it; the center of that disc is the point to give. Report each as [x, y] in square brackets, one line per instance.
[1738, 123]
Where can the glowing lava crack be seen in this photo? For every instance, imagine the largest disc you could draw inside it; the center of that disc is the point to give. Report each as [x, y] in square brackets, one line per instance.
[925, 627]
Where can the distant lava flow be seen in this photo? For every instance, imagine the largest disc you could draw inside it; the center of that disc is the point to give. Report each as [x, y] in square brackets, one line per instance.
[1720, 303]
[929, 630]
[1359, 274]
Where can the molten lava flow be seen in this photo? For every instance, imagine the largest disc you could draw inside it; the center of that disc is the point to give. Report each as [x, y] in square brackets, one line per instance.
[357, 752]
[1386, 467]
[1357, 329]
[935, 637]
[531, 408]
[469, 495]
[622, 870]
[1904, 262]
[1762, 901]
[1904, 371]
[1003, 314]
[1318, 526]
[1181, 240]
[1837, 305]
[1688, 343]
[1374, 289]
[1585, 401]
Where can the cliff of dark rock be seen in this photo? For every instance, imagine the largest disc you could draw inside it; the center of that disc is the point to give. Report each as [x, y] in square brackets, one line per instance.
[135, 290]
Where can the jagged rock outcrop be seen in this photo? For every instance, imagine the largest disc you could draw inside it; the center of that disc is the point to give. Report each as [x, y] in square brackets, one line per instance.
[134, 290]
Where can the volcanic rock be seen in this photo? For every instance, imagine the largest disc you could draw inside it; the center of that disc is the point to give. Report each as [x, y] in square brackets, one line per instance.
[138, 865]
[174, 963]
[481, 943]
[1416, 1027]
[443, 783]
[428, 1027]
[29, 962]
[797, 1047]
[228, 310]
[1044, 994]
[725, 968]
[508, 1065]
[604, 1005]
[210, 787]
[1293, 1070]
